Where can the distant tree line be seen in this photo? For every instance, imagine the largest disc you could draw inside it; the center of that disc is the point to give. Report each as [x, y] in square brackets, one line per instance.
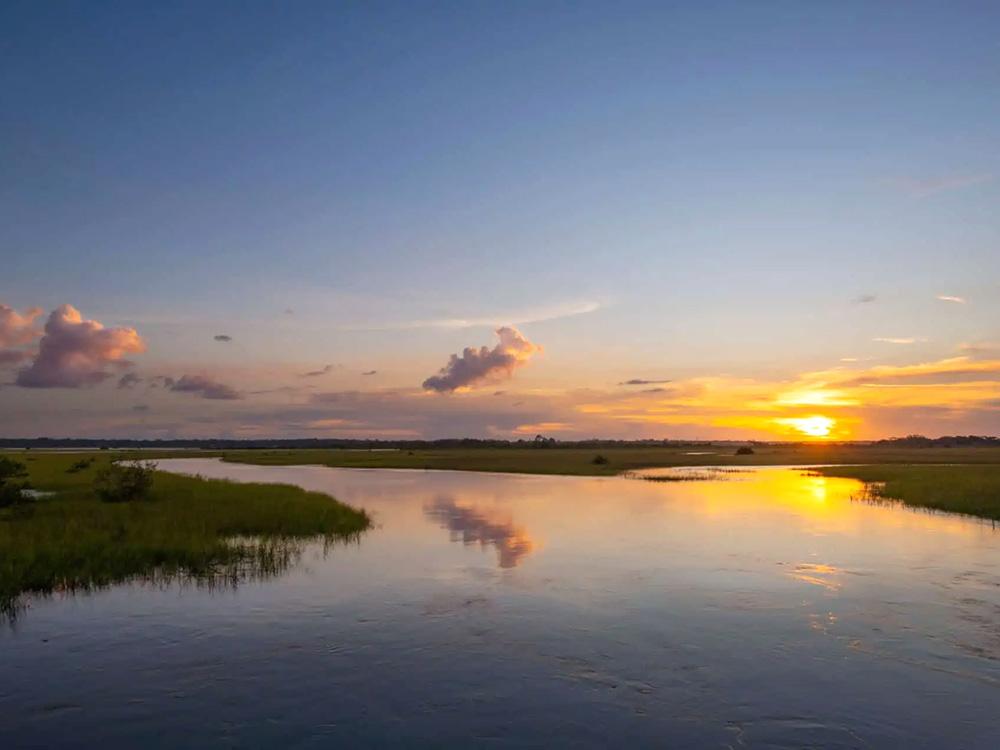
[538, 441]
[948, 441]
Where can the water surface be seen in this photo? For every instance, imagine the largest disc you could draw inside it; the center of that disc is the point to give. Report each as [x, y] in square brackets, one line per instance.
[765, 609]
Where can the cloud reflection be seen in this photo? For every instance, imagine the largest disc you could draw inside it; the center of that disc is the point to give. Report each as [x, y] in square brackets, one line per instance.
[470, 526]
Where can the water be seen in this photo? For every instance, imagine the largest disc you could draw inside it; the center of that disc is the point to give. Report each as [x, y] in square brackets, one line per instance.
[763, 610]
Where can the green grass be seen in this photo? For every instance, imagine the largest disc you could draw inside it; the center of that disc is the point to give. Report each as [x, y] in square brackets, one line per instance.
[580, 461]
[210, 531]
[970, 489]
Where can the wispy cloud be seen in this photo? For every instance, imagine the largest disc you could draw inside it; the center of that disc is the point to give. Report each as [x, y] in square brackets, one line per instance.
[897, 340]
[865, 299]
[980, 348]
[128, 380]
[538, 428]
[642, 381]
[508, 318]
[920, 187]
[951, 298]
[10, 357]
[223, 337]
[325, 370]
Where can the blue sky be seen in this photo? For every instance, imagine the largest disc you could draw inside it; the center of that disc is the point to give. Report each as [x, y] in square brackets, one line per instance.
[717, 184]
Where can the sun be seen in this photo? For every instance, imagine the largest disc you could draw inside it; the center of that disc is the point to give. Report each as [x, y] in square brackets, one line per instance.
[816, 426]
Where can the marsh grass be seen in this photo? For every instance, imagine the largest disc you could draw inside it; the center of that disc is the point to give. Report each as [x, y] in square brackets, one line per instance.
[211, 532]
[970, 489]
[708, 474]
[580, 461]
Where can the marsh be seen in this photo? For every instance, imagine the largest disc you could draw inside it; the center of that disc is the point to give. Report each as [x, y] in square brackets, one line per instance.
[764, 608]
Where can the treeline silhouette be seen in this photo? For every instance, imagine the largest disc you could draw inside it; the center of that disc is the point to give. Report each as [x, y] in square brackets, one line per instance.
[948, 441]
[304, 443]
[539, 441]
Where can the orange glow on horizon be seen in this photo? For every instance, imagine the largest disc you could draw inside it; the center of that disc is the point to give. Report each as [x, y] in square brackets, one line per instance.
[814, 426]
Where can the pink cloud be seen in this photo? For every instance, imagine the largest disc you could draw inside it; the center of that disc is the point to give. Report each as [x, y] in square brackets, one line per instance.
[17, 329]
[75, 352]
[484, 364]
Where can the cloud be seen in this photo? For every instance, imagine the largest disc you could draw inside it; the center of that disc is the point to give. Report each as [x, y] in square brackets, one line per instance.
[10, 357]
[478, 365]
[17, 329]
[370, 372]
[921, 187]
[223, 337]
[865, 299]
[940, 371]
[128, 380]
[140, 408]
[325, 370]
[640, 381]
[894, 340]
[951, 298]
[510, 317]
[289, 389]
[536, 428]
[979, 348]
[471, 525]
[75, 352]
[203, 386]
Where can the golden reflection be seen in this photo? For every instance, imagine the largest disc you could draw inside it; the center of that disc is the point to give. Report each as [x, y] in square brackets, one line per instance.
[825, 576]
[820, 505]
[817, 486]
[471, 525]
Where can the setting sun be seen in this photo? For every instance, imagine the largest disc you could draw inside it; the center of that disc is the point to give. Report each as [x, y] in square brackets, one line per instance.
[816, 426]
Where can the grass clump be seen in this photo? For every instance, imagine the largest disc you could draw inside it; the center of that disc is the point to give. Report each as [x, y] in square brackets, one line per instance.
[970, 489]
[124, 482]
[189, 528]
[13, 492]
[81, 465]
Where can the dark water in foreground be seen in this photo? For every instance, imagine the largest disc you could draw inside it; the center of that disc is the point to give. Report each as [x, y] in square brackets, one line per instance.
[764, 611]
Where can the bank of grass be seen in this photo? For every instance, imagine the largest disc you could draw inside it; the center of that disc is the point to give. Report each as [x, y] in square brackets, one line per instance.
[209, 531]
[970, 489]
[580, 461]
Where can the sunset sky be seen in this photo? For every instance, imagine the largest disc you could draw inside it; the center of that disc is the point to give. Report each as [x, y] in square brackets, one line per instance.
[775, 220]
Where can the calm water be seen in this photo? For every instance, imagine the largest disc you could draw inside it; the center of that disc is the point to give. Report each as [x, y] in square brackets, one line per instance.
[764, 611]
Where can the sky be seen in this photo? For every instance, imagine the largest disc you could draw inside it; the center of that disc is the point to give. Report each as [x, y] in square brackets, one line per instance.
[698, 220]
